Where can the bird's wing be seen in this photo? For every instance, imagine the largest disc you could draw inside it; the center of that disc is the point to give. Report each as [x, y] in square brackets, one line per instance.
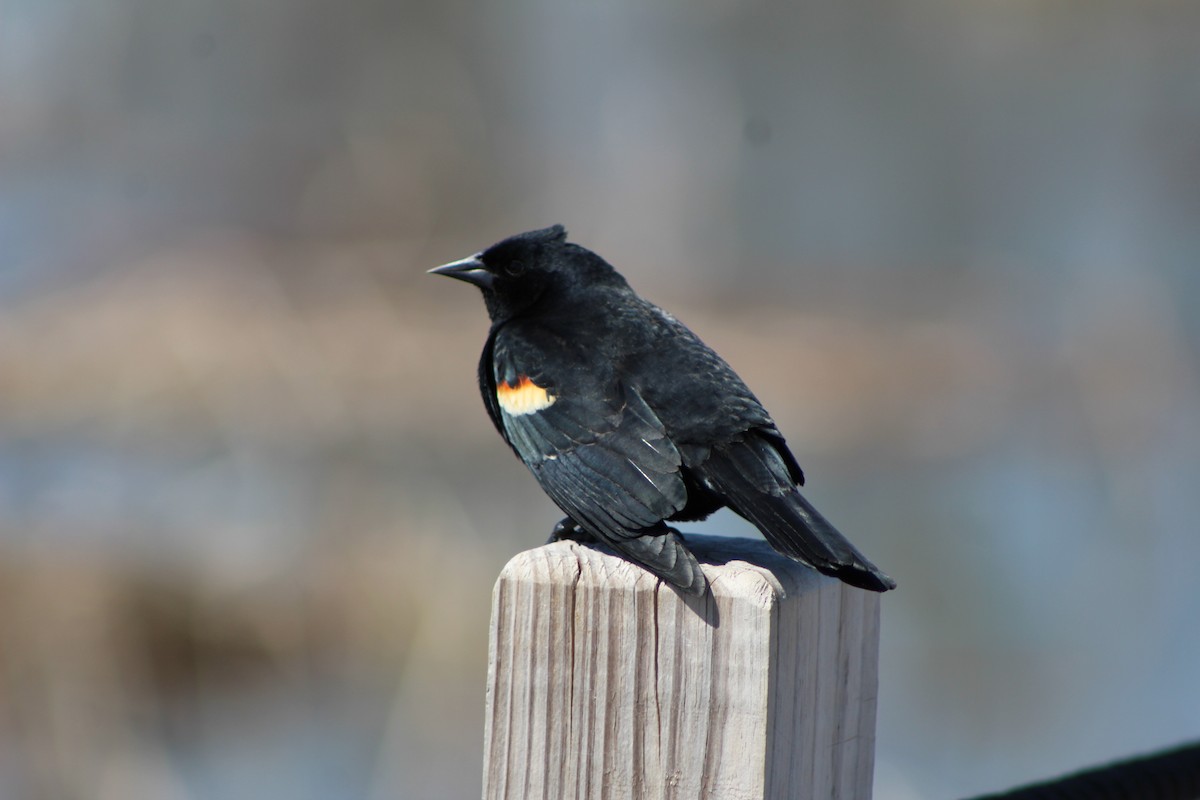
[615, 470]
[601, 455]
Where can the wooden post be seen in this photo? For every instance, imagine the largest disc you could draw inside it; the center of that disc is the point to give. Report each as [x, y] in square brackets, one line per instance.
[605, 683]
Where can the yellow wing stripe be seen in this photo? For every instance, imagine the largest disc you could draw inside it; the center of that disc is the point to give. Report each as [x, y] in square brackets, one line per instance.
[524, 398]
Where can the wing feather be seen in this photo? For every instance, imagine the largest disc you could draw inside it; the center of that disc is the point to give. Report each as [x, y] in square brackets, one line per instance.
[620, 477]
[601, 454]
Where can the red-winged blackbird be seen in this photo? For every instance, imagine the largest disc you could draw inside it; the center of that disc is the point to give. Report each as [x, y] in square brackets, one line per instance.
[627, 419]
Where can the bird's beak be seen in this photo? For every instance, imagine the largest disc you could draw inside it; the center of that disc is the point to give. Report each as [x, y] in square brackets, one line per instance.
[470, 270]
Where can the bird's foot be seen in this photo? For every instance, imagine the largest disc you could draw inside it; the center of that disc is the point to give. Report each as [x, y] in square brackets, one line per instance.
[568, 528]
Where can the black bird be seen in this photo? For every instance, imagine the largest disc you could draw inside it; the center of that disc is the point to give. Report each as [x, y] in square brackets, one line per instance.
[628, 420]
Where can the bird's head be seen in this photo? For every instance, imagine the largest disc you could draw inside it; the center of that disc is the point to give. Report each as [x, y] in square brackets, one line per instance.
[518, 272]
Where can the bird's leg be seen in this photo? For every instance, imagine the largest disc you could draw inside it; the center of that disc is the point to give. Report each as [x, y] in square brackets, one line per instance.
[568, 528]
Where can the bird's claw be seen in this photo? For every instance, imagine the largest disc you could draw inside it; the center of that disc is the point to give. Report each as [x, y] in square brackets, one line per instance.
[568, 528]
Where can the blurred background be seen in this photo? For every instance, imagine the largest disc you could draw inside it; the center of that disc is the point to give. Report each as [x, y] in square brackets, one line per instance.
[251, 507]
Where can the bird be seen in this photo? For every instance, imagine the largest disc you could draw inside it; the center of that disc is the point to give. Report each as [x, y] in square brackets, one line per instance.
[629, 421]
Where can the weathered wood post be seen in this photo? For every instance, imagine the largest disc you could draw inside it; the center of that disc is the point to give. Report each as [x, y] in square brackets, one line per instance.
[604, 683]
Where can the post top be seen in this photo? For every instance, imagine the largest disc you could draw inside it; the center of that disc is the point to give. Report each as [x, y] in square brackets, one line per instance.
[746, 569]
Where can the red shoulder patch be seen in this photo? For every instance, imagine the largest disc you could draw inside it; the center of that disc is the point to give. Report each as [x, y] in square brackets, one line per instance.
[524, 398]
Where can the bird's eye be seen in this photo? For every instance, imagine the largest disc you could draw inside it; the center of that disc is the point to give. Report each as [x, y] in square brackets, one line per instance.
[515, 268]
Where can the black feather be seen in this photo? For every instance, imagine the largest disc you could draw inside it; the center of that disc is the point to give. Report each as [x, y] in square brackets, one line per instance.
[755, 482]
[643, 422]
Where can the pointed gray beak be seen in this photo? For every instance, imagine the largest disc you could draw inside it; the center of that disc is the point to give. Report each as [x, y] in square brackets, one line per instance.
[470, 270]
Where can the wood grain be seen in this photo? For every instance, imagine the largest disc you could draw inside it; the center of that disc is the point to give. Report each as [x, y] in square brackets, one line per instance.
[605, 683]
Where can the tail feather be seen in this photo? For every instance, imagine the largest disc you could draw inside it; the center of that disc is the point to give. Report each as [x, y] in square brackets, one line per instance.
[801, 528]
[755, 483]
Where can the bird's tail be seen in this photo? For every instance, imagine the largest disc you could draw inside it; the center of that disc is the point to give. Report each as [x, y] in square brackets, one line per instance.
[757, 485]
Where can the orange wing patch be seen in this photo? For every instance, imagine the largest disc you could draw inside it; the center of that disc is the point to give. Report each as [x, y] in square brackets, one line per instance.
[524, 398]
